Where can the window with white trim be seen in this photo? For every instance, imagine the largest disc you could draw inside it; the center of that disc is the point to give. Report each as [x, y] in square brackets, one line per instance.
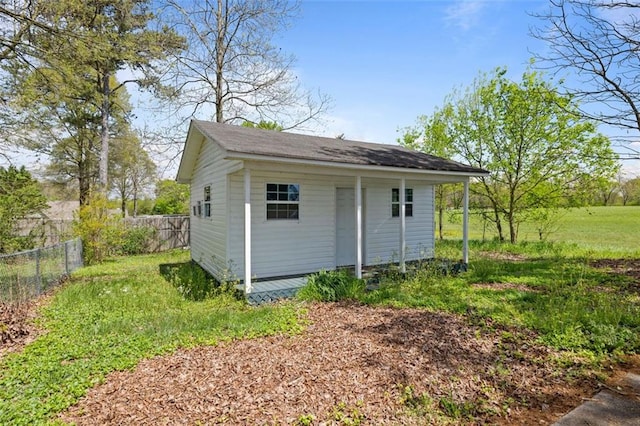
[283, 201]
[207, 201]
[395, 202]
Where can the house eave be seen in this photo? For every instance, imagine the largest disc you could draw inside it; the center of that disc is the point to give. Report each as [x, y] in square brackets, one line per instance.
[460, 175]
[192, 147]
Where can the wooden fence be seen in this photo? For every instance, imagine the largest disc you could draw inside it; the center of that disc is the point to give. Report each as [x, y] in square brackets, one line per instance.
[171, 231]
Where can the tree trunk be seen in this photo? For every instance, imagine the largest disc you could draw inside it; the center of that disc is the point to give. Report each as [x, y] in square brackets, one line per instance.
[104, 135]
[498, 223]
[135, 199]
[123, 207]
[220, 48]
[513, 229]
[84, 183]
[440, 216]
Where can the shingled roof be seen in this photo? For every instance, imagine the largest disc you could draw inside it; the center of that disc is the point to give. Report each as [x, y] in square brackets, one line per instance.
[242, 142]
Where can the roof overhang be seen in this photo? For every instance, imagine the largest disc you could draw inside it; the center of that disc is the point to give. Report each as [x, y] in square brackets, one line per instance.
[192, 147]
[196, 138]
[358, 169]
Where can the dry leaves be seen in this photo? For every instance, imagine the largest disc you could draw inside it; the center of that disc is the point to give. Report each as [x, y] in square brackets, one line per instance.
[16, 324]
[352, 363]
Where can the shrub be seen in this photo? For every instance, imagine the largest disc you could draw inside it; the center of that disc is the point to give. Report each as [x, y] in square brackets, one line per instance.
[137, 240]
[331, 286]
[194, 283]
[99, 231]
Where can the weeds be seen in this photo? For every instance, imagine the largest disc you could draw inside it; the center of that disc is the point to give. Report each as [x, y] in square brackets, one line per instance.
[331, 286]
[194, 283]
[545, 286]
[456, 410]
[108, 318]
[348, 415]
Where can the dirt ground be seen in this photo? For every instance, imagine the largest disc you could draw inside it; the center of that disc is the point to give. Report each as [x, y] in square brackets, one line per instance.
[352, 365]
[628, 267]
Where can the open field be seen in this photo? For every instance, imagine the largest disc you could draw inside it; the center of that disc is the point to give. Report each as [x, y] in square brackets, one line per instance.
[612, 228]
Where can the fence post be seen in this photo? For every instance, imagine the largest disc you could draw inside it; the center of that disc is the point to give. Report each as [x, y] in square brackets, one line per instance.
[66, 257]
[38, 276]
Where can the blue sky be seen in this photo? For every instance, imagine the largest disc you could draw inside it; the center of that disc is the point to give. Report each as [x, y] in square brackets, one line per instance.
[386, 62]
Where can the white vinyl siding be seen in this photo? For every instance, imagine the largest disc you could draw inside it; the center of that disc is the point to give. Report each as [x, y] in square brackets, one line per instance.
[383, 230]
[209, 234]
[286, 247]
[308, 244]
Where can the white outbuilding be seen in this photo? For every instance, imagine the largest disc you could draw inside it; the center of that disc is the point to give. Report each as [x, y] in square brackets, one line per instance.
[269, 207]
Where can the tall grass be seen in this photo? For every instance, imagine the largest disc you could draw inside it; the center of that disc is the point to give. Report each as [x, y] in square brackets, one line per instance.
[109, 318]
[332, 286]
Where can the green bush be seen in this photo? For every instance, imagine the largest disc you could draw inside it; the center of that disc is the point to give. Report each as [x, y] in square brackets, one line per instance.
[194, 283]
[331, 286]
[100, 232]
[137, 240]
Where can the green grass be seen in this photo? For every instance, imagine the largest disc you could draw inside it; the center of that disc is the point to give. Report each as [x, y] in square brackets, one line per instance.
[108, 318]
[548, 287]
[111, 316]
[613, 228]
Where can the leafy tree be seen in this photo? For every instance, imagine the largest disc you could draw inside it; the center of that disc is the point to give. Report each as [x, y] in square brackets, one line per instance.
[132, 170]
[17, 19]
[232, 67]
[596, 42]
[102, 38]
[65, 126]
[428, 135]
[529, 137]
[267, 125]
[20, 196]
[630, 191]
[606, 190]
[171, 198]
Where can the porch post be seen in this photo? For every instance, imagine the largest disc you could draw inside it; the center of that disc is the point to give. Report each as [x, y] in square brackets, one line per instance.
[247, 230]
[403, 238]
[465, 223]
[358, 265]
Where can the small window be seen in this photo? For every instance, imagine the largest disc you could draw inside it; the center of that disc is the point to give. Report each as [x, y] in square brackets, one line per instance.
[207, 201]
[395, 202]
[283, 201]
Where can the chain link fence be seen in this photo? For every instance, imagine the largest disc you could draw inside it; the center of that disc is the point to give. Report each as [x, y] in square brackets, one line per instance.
[28, 274]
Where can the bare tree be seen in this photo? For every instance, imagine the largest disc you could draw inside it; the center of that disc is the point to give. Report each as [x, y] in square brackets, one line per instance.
[231, 70]
[597, 41]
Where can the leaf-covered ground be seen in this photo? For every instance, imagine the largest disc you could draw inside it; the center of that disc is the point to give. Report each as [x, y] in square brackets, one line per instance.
[628, 267]
[17, 326]
[353, 365]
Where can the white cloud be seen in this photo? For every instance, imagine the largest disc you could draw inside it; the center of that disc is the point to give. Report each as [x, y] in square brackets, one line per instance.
[631, 169]
[464, 14]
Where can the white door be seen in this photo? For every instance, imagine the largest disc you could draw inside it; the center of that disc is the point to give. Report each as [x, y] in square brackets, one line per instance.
[345, 227]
